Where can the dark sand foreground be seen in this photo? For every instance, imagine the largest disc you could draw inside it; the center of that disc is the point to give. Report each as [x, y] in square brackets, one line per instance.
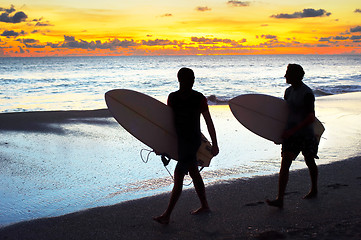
[239, 212]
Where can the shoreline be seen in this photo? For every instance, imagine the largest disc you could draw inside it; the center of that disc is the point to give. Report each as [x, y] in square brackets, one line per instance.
[37, 120]
[238, 212]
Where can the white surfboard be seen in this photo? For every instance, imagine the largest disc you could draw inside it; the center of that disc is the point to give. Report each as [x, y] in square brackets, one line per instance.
[151, 122]
[265, 115]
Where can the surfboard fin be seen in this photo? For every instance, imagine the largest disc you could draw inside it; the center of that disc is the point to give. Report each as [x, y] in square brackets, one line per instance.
[165, 159]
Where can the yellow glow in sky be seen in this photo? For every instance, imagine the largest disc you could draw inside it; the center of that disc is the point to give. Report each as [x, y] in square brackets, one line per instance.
[159, 27]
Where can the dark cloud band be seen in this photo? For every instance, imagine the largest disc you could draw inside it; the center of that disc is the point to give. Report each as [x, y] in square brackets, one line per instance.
[306, 13]
[16, 18]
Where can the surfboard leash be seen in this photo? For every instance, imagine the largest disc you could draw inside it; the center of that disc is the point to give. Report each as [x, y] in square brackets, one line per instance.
[165, 160]
[164, 157]
[141, 155]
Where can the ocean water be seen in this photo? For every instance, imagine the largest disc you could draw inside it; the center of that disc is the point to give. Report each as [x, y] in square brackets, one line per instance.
[90, 162]
[79, 83]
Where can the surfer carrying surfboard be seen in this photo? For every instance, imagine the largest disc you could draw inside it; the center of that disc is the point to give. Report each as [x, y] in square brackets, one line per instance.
[187, 105]
[299, 135]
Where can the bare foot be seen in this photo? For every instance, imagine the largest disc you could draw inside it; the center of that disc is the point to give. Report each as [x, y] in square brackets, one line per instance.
[275, 203]
[310, 195]
[201, 210]
[162, 219]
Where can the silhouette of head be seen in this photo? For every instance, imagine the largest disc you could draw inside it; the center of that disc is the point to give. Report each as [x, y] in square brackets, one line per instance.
[294, 73]
[186, 78]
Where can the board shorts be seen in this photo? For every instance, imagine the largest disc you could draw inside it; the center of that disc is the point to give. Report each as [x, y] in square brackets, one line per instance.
[187, 157]
[307, 145]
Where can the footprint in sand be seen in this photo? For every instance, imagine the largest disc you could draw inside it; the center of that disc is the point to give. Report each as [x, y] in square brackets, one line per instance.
[254, 204]
[359, 178]
[271, 235]
[337, 185]
[290, 193]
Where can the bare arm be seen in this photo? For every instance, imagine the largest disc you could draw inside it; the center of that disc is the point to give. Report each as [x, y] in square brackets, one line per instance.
[308, 120]
[212, 131]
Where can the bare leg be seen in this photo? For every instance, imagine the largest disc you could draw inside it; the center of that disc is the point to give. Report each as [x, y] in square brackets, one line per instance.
[312, 167]
[200, 189]
[282, 180]
[176, 192]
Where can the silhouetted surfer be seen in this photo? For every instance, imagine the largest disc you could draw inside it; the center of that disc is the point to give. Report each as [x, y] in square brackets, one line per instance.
[188, 105]
[299, 135]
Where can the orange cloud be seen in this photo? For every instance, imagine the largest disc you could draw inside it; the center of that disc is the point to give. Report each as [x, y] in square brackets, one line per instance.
[99, 32]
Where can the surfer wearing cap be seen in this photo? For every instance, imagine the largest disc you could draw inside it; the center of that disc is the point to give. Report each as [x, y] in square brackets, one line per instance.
[299, 135]
[188, 105]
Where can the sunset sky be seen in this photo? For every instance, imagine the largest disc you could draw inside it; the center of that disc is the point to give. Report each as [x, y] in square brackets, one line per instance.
[183, 27]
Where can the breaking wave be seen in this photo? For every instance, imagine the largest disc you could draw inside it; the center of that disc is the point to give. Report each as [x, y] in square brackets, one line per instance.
[333, 90]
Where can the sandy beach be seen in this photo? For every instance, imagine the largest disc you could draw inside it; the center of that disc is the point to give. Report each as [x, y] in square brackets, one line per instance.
[43, 156]
[238, 212]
